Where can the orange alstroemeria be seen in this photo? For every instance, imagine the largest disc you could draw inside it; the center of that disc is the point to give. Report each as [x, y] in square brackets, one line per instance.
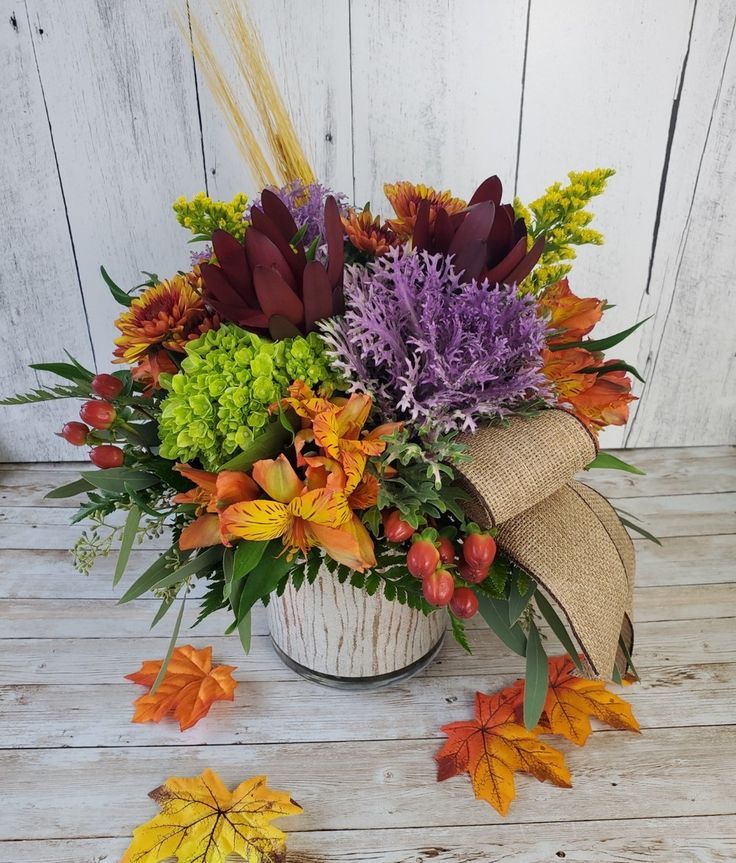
[570, 317]
[301, 516]
[565, 369]
[606, 402]
[212, 493]
[338, 432]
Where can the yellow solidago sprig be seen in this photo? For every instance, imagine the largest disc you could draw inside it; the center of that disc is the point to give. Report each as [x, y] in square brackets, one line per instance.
[561, 216]
[201, 215]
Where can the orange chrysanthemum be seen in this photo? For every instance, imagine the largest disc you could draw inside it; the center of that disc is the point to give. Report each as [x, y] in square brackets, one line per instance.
[368, 234]
[405, 197]
[167, 315]
[570, 316]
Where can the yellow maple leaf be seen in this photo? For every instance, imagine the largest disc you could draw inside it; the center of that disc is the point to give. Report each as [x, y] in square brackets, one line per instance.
[201, 821]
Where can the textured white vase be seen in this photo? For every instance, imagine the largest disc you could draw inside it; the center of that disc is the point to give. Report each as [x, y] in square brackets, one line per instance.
[340, 636]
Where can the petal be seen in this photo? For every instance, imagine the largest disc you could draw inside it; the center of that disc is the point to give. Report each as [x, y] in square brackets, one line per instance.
[383, 431]
[353, 415]
[353, 464]
[202, 478]
[233, 486]
[366, 494]
[322, 506]
[202, 532]
[343, 545]
[327, 432]
[255, 519]
[278, 478]
[323, 472]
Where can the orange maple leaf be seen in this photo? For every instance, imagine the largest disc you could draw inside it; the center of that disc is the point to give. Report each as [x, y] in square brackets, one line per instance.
[572, 701]
[494, 746]
[189, 688]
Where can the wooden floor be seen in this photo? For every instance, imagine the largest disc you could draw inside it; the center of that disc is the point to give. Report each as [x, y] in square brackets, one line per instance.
[74, 771]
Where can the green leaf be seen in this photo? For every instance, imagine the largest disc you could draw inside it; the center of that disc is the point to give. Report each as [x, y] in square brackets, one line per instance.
[64, 370]
[606, 461]
[263, 579]
[518, 601]
[227, 571]
[162, 609]
[495, 612]
[629, 662]
[594, 345]
[535, 685]
[458, 630]
[247, 556]
[618, 366]
[558, 627]
[244, 632]
[126, 543]
[640, 530]
[118, 293]
[265, 445]
[70, 489]
[116, 478]
[172, 645]
[147, 579]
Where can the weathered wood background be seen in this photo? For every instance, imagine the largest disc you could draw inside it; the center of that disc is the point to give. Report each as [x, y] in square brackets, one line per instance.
[105, 122]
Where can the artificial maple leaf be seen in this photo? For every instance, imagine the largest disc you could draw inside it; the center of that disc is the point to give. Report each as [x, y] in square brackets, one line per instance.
[494, 746]
[201, 821]
[572, 700]
[189, 688]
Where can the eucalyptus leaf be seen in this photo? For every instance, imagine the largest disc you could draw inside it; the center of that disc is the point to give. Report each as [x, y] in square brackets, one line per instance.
[151, 576]
[79, 486]
[162, 609]
[263, 579]
[126, 543]
[536, 680]
[244, 632]
[495, 612]
[640, 530]
[116, 478]
[606, 461]
[172, 644]
[204, 560]
[519, 601]
[558, 627]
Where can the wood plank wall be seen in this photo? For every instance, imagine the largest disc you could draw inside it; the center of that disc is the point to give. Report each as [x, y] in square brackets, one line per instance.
[106, 122]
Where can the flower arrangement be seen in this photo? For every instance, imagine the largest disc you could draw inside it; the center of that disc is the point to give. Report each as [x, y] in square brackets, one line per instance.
[302, 396]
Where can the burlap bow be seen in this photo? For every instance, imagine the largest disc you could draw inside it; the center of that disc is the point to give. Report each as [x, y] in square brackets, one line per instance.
[564, 534]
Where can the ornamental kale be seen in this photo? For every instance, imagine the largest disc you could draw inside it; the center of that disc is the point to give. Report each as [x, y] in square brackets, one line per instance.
[433, 351]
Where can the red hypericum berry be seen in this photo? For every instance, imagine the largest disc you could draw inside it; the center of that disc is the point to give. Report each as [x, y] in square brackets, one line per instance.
[395, 528]
[438, 587]
[99, 415]
[446, 549]
[75, 433]
[422, 558]
[106, 455]
[471, 574]
[479, 550]
[464, 603]
[106, 386]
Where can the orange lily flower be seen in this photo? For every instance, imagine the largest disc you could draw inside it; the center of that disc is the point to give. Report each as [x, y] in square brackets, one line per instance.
[303, 517]
[212, 493]
[573, 316]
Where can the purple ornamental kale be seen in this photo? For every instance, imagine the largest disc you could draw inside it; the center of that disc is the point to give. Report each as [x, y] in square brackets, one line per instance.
[431, 350]
[306, 202]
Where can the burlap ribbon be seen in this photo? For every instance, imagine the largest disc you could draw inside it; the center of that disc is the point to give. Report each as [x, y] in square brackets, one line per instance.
[564, 534]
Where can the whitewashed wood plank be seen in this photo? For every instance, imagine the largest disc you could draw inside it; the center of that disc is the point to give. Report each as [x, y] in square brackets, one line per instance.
[683, 515]
[708, 839]
[64, 661]
[308, 46]
[120, 88]
[40, 301]
[676, 470]
[88, 715]
[48, 573]
[597, 93]
[654, 774]
[436, 93]
[691, 291]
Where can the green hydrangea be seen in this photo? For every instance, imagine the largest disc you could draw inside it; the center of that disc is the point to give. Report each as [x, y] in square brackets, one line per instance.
[220, 398]
[561, 216]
